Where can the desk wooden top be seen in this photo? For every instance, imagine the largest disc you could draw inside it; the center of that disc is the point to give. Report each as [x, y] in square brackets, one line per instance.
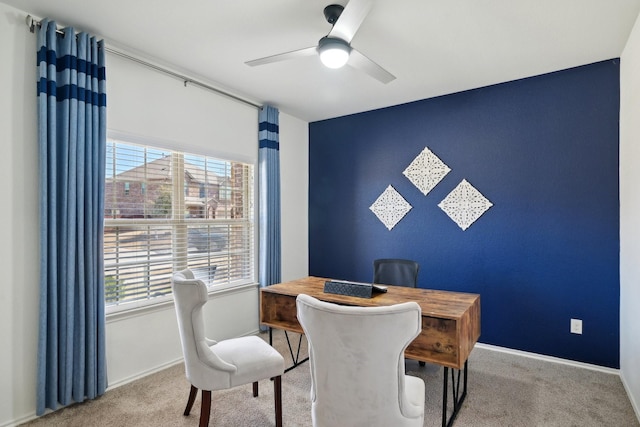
[441, 304]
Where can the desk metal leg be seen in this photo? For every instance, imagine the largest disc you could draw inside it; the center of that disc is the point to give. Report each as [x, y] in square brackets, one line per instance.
[295, 358]
[455, 393]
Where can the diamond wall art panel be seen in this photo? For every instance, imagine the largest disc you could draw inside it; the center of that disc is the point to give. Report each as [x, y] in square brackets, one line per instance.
[464, 205]
[390, 207]
[426, 171]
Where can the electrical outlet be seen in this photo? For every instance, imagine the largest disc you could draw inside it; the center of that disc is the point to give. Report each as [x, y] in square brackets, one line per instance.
[576, 326]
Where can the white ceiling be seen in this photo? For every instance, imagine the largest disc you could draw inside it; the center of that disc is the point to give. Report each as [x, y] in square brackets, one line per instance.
[433, 47]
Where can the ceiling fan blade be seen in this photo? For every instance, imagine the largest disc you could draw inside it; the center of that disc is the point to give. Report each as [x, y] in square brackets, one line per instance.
[362, 63]
[350, 19]
[307, 51]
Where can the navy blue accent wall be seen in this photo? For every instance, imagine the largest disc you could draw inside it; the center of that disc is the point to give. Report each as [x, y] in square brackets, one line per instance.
[543, 150]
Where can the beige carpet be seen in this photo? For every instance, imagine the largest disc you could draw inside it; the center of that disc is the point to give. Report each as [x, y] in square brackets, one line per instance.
[504, 390]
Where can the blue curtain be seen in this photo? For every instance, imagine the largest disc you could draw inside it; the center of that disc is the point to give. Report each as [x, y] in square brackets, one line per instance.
[269, 195]
[72, 140]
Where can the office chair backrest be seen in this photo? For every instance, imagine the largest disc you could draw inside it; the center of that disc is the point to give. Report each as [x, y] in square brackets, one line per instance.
[356, 357]
[190, 295]
[399, 272]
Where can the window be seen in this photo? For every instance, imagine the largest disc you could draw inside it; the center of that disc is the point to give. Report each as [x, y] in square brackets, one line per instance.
[164, 212]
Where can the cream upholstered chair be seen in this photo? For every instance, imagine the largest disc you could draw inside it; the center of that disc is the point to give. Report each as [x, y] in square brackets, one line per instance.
[212, 365]
[356, 357]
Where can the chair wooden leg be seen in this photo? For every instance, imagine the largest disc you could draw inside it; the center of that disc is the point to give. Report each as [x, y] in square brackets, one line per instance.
[205, 409]
[277, 393]
[192, 398]
[255, 389]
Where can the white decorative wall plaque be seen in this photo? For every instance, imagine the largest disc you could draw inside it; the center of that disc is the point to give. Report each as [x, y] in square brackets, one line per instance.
[465, 204]
[426, 171]
[390, 207]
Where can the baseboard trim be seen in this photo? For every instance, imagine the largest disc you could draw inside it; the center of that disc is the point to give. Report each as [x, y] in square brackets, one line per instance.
[552, 359]
[21, 420]
[634, 404]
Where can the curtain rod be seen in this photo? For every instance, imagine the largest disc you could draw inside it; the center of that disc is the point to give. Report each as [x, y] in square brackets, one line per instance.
[32, 24]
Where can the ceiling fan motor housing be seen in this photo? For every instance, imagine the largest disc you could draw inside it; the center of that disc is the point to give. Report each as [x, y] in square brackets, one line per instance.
[332, 13]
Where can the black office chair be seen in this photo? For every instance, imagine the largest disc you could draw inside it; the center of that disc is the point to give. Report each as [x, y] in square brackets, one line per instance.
[398, 272]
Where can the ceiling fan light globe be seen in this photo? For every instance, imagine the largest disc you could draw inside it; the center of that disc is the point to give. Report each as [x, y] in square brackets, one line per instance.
[334, 53]
[334, 58]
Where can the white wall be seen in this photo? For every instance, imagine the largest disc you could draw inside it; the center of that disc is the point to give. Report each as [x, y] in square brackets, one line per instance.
[18, 218]
[294, 177]
[629, 217]
[141, 103]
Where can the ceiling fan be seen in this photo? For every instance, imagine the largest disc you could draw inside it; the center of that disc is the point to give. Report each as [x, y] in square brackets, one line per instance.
[335, 48]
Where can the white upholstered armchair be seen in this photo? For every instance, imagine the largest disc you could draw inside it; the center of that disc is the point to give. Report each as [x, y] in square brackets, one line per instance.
[212, 365]
[356, 357]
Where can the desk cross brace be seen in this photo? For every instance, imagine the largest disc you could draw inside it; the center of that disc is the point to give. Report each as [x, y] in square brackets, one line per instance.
[296, 359]
[455, 393]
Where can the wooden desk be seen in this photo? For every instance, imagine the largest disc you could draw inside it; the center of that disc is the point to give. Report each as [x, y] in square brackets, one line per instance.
[450, 325]
[450, 320]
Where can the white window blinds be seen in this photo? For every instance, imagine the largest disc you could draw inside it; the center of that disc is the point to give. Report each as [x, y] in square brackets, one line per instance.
[166, 211]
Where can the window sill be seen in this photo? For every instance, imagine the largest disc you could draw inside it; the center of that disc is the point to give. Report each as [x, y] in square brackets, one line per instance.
[127, 313]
